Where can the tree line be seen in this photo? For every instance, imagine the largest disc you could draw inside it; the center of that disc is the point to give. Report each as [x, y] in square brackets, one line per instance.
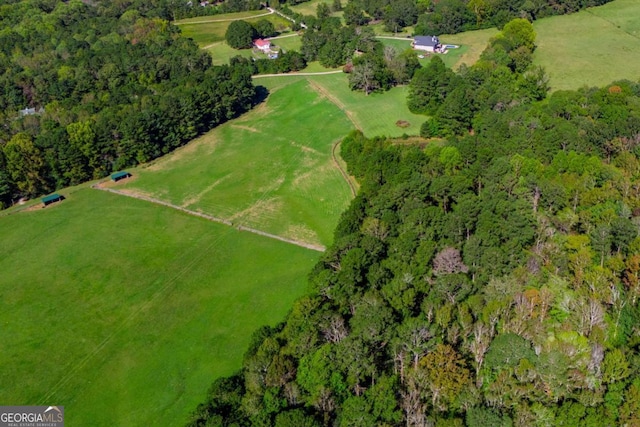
[454, 16]
[487, 277]
[90, 89]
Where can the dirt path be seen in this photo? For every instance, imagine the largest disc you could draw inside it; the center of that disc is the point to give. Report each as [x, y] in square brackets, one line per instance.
[324, 92]
[283, 37]
[209, 46]
[319, 73]
[343, 172]
[395, 38]
[239, 227]
[207, 21]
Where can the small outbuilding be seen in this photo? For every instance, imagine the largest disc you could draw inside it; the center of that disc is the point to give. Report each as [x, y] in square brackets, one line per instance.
[115, 177]
[426, 43]
[53, 198]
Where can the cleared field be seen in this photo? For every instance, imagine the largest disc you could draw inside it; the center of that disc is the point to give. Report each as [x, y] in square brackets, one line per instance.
[593, 47]
[211, 29]
[124, 311]
[221, 53]
[310, 7]
[472, 44]
[375, 114]
[271, 169]
[288, 42]
[221, 18]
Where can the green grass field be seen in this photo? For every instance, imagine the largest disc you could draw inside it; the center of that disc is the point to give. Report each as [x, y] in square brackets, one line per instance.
[124, 311]
[310, 7]
[271, 169]
[472, 44]
[288, 42]
[221, 18]
[593, 47]
[221, 53]
[207, 30]
[375, 114]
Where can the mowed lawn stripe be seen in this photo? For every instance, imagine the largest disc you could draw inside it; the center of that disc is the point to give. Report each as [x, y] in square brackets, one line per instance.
[124, 311]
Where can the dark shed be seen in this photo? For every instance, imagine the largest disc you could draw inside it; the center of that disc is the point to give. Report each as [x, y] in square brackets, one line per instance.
[120, 175]
[55, 197]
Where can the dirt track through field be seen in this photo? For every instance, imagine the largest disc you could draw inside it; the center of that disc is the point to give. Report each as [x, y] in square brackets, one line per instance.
[239, 227]
[343, 172]
[295, 73]
[207, 21]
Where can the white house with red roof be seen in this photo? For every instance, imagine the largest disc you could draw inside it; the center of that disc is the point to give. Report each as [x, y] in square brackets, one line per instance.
[263, 45]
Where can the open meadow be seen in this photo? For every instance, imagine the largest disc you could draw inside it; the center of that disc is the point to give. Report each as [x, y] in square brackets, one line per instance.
[124, 311]
[311, 7]
[271, 169]
[593, 47]
[374, 114]
[207, 30]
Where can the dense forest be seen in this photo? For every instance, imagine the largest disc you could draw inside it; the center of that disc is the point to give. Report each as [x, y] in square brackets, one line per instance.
[487, 275]
[89, 89]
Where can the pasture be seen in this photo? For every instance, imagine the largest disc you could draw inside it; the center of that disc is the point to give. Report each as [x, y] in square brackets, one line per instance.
[271, 169]
[124, 311]
[472, 44]
[207, 30]
[310, 7]
[593, 47]
[375, 114]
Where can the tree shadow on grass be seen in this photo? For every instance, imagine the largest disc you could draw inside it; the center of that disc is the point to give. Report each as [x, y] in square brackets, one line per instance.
[261, 95]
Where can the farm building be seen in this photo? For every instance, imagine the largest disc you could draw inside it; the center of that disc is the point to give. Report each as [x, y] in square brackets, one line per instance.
[263, 45]
[120, 175]
[426, 43]
[55, 197]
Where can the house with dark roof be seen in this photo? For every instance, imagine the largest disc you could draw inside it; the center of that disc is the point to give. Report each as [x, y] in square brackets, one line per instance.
[426, 43]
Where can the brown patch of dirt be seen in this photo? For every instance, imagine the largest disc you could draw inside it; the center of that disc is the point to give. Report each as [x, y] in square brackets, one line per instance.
[403, 124]
[310, 178]
[137, 193]
[305, 148]
[247, 128]
[109, 183]
[196, 198]
[302, 233]
[259, 210]
[36, 207]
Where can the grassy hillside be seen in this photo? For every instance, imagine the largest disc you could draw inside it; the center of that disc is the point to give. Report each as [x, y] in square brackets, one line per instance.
[592, 47]
[271, 169]
[206, 30]
[123, 311]
[375, 114]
